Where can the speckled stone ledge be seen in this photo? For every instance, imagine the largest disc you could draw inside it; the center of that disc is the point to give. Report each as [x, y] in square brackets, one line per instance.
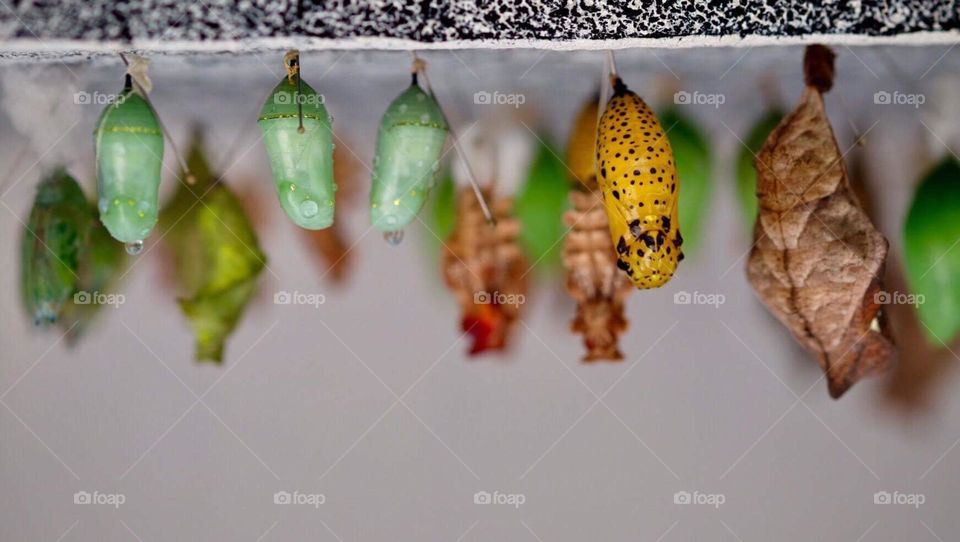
[51, 26]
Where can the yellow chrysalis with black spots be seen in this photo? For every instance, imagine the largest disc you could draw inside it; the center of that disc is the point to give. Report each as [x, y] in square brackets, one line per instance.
[638, 178]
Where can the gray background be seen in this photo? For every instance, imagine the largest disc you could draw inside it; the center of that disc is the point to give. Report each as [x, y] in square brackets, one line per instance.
[370, 400]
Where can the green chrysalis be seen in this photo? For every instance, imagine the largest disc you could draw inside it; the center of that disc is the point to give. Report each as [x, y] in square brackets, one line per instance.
[216, 255]
[692, 155]
[52, 242]
[409, 147]
[301, 155]
[129, 148]
[102, 261]
[539, 206]
[930, 234]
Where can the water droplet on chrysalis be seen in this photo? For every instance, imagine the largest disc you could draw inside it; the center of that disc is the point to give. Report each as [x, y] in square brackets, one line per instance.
[394, 237]
[134, 247]
[309, 208]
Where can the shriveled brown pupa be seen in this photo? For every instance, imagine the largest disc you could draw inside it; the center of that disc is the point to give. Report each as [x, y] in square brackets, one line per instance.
[817, 261]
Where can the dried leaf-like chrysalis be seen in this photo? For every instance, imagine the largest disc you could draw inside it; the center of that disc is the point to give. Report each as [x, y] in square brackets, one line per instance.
[639, 181]
[593, 280]
[484, 267]
[217, 257]
[817, 261]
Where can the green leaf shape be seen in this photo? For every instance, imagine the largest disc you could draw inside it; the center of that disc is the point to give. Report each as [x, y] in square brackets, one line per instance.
[691, 154]
[217, 256]
[930, 234]
[746, 173]
[539, 206]
[51, 246]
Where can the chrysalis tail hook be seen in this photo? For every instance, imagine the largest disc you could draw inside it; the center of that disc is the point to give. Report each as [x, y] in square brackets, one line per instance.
[420, 67]
[189, 177]
[291, 61]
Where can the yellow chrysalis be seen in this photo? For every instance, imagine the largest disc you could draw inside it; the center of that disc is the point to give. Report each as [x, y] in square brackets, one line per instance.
[638, 178]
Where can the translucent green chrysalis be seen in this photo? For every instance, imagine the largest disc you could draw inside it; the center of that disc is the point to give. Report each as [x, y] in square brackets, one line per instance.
[409, 147]
[129, 147]
[53, 240]
[301, 157]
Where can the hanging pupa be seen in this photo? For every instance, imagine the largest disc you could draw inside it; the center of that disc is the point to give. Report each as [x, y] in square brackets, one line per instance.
[691, 153]
[930, 235]
[129, 149]
[639, 181]
[51, 247]
[297, 132]
[409, 147]
[817, 261]
[216, 255]
[582, 144]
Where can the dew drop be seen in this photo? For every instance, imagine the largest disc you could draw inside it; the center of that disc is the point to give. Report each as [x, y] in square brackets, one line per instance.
[394, 237]
[134, 247]
[309, 208]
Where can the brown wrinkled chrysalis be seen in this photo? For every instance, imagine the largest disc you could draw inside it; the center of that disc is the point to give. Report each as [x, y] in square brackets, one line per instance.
[817, 261]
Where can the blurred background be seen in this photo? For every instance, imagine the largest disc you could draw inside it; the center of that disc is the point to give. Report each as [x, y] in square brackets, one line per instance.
[367, 407]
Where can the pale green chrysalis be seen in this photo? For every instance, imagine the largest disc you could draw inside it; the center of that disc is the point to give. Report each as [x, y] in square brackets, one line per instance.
[301, 160]
[129, 148]
[409, 147]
